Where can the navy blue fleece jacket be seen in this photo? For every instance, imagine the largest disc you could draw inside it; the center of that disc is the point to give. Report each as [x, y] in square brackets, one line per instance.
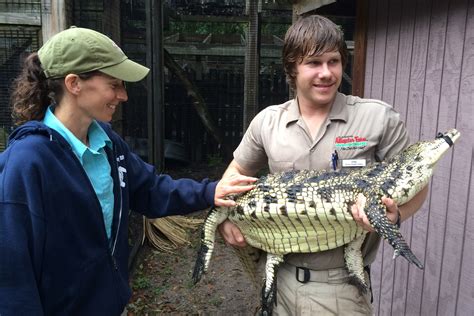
[55, 258]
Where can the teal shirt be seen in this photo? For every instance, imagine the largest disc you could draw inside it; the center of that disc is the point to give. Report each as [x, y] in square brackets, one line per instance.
[93, 160]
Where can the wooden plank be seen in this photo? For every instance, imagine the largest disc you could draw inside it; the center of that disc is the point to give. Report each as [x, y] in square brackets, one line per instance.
[218, 50]
[465, 298]
[370, 48]
[304, 6]
[233, 19]
[20, 18]
[458, 191]
[379, 52]
[360, 39]
[380, 28]
[251, 66]
[424, 220]
[403, 70]
[393, 9]
[53, 17]
[417, 77]
[370, 51]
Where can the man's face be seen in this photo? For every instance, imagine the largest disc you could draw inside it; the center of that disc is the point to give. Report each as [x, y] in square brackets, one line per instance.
[318, 78]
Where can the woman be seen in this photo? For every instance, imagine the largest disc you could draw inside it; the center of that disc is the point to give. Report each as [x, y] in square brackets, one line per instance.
[67, 182]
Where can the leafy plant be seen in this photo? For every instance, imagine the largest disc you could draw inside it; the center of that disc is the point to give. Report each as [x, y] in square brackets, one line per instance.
[141, 282]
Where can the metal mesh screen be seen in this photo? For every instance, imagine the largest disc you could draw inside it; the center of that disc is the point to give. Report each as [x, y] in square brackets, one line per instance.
[25, 6]
[89, 14]
[16, 42]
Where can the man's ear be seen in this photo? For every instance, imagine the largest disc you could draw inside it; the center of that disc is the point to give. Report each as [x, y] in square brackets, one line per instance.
[72, 83]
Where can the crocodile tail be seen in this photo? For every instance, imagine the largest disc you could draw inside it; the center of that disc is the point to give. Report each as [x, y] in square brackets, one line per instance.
[403, 250]
[208, 233]
[200, 266]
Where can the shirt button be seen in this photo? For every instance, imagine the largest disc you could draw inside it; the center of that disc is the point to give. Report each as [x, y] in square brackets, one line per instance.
[312, 150]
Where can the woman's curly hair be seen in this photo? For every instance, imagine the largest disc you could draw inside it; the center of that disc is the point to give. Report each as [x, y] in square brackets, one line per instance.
[32, 92]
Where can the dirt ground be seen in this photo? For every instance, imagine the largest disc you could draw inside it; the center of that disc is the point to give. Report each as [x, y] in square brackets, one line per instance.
[161, 282]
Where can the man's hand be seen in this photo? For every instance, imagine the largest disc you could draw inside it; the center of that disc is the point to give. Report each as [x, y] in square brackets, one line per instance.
[232, 185]
[361, 218]
[231, 234]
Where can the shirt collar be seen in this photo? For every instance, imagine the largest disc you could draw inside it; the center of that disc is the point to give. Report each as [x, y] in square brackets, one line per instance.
[338, 110]
[98, 138]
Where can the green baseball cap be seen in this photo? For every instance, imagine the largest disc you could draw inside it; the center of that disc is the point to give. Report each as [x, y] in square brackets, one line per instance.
[79, 50]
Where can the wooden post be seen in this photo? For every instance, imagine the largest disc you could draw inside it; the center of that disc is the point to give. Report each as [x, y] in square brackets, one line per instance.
[252, 63]
[53, 17]
[154, 40]
[111, 28]
[360, 42]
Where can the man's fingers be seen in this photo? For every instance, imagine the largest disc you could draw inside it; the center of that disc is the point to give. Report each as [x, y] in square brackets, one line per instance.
[238, 238]
[231, 234]
[358, 213]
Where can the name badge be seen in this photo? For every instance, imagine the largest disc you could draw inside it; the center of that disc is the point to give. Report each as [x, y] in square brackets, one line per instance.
[354, 163]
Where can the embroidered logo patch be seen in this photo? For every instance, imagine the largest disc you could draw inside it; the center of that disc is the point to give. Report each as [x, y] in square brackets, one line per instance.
[350, 142]
[122, 171]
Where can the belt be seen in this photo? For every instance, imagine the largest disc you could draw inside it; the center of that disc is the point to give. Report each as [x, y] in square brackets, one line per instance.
[331, 276]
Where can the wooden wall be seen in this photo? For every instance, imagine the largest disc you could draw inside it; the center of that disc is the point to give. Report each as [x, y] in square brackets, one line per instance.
[420, 58]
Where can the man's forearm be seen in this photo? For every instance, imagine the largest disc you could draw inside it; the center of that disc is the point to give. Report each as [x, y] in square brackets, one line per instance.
[411, 207]
[235, 169]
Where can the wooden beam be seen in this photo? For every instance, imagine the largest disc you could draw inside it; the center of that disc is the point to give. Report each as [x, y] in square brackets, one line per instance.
[232, 19]
[53, 17]
[360, 42]
[20, 18]
[273, 51]
[154, 38]
[304, 6]
[111, 28]
[252, 64]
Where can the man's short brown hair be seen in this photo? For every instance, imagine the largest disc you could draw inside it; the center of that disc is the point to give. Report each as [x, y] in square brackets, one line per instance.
[311, 35]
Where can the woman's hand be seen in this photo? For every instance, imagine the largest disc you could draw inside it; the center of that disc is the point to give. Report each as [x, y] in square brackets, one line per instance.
[233, 184]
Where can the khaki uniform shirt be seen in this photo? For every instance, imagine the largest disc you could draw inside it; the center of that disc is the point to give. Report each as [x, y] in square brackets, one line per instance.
[356, 128]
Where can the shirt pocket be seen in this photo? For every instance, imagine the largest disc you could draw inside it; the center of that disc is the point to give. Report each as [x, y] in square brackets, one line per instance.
[280, 166]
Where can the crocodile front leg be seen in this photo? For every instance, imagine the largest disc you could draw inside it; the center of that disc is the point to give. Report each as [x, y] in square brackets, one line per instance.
[376, 214]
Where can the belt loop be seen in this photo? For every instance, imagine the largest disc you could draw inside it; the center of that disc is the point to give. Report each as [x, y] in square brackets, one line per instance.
[306, 275]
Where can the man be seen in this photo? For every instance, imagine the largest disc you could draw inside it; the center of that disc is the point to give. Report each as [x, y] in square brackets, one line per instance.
[320, 129]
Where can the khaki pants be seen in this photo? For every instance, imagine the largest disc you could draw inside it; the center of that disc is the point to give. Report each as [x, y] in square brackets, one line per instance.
[327, 293]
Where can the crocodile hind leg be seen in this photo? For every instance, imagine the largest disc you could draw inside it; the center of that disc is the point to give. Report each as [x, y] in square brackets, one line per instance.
[355, 264]
[208, 234]
[270, 286]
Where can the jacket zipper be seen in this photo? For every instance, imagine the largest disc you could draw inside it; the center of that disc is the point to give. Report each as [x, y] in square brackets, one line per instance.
[110, 251]
[121, 203]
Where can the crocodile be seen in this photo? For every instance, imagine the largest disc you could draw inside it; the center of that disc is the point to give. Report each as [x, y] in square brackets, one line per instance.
[309, 211]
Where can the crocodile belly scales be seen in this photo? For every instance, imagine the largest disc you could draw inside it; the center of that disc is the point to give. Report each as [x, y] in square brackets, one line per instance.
[287, 218]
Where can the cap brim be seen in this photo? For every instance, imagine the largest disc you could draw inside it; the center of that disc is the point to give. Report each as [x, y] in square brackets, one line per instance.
[127, 70]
